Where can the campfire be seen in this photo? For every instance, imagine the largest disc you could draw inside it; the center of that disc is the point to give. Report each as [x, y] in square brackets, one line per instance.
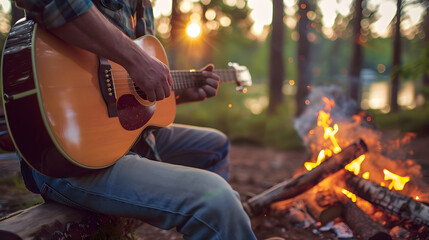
[355, 176]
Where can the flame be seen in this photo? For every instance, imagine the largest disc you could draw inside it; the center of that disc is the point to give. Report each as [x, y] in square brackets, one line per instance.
[398, 182]
[320, 158]
[329, 103]
[349, 195]
[355, 165]
[330, 133]
[330, 144]
[324, 120]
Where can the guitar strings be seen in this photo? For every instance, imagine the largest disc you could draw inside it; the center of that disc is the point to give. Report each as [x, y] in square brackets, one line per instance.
[122, 80]
[127, 80]
[179, 71]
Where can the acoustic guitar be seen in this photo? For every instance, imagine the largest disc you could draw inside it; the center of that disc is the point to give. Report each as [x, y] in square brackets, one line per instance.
[69, 111]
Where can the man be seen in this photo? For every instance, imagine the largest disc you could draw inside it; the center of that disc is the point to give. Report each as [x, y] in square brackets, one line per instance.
[199, 203]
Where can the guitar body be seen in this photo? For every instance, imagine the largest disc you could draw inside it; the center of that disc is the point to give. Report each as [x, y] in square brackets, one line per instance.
[55, 112]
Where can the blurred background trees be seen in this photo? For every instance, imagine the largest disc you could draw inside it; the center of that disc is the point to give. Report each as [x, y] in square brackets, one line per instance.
[303, 53]
[356, 60]
[376, 50]
[276, 63]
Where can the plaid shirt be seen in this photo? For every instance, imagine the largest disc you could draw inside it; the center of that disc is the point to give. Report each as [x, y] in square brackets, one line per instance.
[122, 13]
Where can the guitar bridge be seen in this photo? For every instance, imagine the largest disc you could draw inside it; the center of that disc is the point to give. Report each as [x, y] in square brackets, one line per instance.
[107, 87]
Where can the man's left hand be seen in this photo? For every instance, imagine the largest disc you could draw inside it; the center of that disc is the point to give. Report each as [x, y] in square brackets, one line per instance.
[209, 89]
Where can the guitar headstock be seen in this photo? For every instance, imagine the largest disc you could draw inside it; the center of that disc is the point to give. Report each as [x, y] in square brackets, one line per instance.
[243, 76]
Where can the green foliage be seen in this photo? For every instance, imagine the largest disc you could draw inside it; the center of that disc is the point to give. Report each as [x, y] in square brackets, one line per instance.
[235, 13]
[332, 58]
[232, 46]
[415, 120]
[418, 66]
[378, 51]
[425, 92]
[229, 112]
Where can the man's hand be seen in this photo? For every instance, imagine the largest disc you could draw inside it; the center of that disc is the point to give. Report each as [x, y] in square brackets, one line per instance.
[152, 77]
[93, 32]
[209, 89]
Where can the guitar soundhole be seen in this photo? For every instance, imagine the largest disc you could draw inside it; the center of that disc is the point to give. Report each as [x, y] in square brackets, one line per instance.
[140, 92]
[132, 115]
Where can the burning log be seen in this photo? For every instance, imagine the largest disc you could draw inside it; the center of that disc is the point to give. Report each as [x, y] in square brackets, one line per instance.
[297, 185]
[361, 224]
[392, 202]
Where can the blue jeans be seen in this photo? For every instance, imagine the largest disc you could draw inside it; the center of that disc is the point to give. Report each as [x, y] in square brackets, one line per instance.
[177, 192]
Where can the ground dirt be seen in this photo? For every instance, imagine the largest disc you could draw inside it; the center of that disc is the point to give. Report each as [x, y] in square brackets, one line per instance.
[253, 170]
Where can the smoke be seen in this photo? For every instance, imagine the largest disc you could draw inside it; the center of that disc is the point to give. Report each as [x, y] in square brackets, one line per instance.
[343, 111]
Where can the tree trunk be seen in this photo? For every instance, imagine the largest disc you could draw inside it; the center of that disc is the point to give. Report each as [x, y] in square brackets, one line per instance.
[176, 30]
[357, 57]
[303, 57]
[334, 59]
[276, 57]
[207, 47]
[396, 62]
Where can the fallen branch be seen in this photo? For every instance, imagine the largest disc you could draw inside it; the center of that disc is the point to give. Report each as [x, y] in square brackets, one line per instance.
[295, 186]
[392, 202]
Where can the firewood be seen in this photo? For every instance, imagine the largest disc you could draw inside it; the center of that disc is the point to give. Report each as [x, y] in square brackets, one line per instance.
[297, 185]
[362, 225]
[392, 202]
[322, 203]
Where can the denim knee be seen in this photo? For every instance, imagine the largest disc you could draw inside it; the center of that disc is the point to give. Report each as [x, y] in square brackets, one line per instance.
[215, 195]
[220, 155]
[217, 207]
[220, 138]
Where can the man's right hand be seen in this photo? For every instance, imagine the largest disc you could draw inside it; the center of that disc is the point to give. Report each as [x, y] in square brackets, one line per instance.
[151, 76]
[93, 32]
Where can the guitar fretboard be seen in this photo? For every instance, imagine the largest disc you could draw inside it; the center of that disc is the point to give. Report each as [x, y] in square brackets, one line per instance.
[190, 79]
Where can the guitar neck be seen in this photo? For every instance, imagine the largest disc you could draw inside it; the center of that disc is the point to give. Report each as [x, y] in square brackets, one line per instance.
[191, 79]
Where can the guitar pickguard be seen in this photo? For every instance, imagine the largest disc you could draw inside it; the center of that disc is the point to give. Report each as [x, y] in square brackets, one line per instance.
[132, 115]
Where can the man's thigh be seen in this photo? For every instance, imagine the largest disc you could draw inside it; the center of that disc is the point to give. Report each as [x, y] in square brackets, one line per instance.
[161, 193]
[191, 146]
